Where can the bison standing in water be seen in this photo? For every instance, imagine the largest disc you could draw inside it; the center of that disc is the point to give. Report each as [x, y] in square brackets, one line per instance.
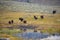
[35, 18]
[21, 19]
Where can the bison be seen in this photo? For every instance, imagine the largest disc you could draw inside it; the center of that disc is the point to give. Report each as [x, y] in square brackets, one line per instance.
[54, 11]
[42, 17]
[25, 21]
[35, 18]
[9, 22]
[21, 19]
[12, 21]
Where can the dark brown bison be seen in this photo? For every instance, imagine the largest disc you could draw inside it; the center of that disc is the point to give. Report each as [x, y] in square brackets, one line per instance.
[12, 21]
[25, 21]
[9, 22]
[35, 18]
[54, 11]
[21, 19]
[42, 17]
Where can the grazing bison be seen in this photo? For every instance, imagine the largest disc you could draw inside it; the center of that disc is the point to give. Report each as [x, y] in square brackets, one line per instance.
[12, 21]
[9, 22]
[35, 18]
[24, 21]
[21, 19]
[54, 11]
[42, 17]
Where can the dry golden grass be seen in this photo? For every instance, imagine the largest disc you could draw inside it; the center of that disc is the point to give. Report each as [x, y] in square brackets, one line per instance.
[49, 19]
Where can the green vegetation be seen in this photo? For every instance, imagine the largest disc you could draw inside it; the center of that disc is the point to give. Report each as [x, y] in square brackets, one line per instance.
[51, 30]
[9, 31]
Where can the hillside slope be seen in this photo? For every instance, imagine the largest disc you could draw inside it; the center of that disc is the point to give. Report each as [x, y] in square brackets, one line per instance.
[27, 7]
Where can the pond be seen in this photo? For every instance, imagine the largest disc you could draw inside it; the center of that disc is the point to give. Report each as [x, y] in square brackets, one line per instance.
[37, 36]
[29, 35]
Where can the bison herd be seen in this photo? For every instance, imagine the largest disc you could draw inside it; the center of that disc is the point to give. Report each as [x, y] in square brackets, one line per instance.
[35, 17]
[24, 21]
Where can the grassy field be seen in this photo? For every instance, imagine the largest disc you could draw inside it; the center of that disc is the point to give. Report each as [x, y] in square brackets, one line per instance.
[49, 21]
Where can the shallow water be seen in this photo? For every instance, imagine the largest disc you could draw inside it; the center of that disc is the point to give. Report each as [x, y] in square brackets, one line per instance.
[30, 35]
[36, 36]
